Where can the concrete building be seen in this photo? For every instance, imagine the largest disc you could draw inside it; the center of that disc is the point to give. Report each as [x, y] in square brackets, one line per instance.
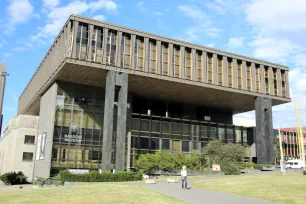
[105, 94]
[17, 145]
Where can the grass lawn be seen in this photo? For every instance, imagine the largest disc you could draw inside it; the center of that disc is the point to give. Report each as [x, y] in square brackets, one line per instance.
[274, 187]
[86, 193]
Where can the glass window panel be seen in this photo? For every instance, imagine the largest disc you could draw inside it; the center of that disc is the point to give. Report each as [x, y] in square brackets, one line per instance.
[185, 146]
[154, 144]
[221, 134]
[165, 144]
[134, 142]
[144, 143]
[238, 135]
[176, 145]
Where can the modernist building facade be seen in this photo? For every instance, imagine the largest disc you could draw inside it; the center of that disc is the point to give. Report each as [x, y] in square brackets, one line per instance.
[105, 94]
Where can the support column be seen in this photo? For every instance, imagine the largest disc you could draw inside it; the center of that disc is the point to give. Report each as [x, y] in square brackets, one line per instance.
[133, 41]
[287, 84]
[158, 57]
[147, 67]
[170, 63]
[264, 131]
[118, 63]
[74, 37]
[253, 77]
[262, 80]
[279, 82]
[235, 74]
[204, 67]
[215, 70]
[105, 35]
[89, 44]
[193, 65]
[244, 76]
[122, 82]
[271, 87]
[225, 71]
[182, 74]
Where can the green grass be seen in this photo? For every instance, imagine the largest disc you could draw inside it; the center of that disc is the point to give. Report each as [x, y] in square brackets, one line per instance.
[274, 187]
[86, 193]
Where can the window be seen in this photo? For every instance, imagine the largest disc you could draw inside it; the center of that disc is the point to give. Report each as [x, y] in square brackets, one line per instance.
[165, 59]
[188, 63]
[257, 78]
[249, 85]
[111, 48]
[27, 156]
[238, 135]
[275, 81]
[29, 139]
[220, 70]
[144, 143]
[81, 42]
[267, 80]
[239, 75]
[230, 72]
[97, 45]
[94, 155]
[154, 144]
[199, 65]
[152, 56]
[165, 144]
[126, 51]
[54, 153]
[176, 61]
[185, 146]
[176, 145]
[209, 68]
[139, 53]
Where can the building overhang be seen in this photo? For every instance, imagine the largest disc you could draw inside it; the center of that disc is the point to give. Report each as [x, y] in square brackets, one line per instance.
[155, 87]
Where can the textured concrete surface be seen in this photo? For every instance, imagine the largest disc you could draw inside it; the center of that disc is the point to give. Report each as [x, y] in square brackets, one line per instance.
[200, 196]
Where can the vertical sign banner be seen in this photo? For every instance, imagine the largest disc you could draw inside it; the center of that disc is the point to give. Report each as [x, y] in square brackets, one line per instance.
[38, 147]
[43, 146]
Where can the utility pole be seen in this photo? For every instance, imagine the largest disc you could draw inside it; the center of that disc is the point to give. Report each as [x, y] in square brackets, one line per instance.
[281, 150]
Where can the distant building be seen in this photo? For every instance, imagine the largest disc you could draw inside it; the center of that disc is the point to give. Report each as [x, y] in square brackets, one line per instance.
[17, 145]
[105, 94]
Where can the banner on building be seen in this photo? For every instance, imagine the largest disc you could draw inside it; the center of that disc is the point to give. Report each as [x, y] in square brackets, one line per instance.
[43, 146]
[38, 147]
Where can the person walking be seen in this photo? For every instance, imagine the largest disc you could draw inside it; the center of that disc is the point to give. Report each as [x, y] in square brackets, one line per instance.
[184, 177]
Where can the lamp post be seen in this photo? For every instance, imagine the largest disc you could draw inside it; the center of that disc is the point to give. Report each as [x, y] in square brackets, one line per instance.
[281, 150]
[3, 75]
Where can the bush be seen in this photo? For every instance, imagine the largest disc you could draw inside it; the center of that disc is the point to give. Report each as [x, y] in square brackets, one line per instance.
[95, 176]
[230, 169]
[48, 181]
[13, 178]
[258, 166]
[248, 165]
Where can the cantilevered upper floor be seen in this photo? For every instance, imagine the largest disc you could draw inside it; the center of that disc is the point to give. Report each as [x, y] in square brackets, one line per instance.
[160, 67]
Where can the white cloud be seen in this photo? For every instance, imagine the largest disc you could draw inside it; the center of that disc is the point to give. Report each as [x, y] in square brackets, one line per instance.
[141, 7]
[19, 11]
[157, 13]
[193, 12]
[100, 17]
[211, 45]
[108, 5]
[217, 8]
[235, 42]
[51, 3]
[7, 54]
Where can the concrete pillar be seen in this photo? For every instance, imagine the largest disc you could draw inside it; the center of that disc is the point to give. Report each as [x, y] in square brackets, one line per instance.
[262, 80]
[108, 120]
[193, 65]
[182, 75]
[158, 57]
[225, 71]
[122, 82]
[170, 60]
[235, 74]
[244, 76]
[105, 34]
[204, 67]
[89, 44]
[287, 84]
[74, 37]
[271, 87]
[264, 131]
[253, 77]
[279, 82]
[133, 65]
[147, 67]
[118, 61]
[215, 69]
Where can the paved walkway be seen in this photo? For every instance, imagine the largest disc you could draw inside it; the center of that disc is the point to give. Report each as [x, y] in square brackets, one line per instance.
[200, 196]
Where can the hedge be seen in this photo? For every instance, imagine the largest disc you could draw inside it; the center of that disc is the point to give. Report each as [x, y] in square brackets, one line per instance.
[13, 178]
[95, 176]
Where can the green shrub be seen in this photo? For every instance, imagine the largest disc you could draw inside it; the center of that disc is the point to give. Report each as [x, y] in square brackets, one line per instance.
[258, 166]
[95, 176]
[229, 169]
[48, 181]
[247, 165]
[13, 178]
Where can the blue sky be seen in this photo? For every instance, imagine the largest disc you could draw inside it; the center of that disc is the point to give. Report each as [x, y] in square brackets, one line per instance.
[273, 30]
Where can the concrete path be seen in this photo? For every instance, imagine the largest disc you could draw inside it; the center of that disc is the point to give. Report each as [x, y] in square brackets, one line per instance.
[200, 196]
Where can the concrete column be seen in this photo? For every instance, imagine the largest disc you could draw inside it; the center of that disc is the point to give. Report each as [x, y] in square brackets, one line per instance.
[108, 120]
[262, 80]
[287, 84]
[105, 34]
[122, 82]
[235, 74]
[147, 67]
[158, 58]
[118, 61]
[74, 37]
[279, 82]
[170, 60]
[253, 77]
[215, 70]
[182, 75]
[2, 88]
[204, 67]
[271, 87]
[128, 155]
[133, 65]
[225, 71]
[244, 76]
[91, 28]
[193, 65]
[264, 131]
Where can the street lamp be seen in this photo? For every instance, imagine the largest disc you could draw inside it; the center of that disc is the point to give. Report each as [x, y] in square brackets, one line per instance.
[281, 148]
[4, 74]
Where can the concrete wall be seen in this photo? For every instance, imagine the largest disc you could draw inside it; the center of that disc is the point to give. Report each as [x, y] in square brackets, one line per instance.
[46, 125]
[12, 145]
